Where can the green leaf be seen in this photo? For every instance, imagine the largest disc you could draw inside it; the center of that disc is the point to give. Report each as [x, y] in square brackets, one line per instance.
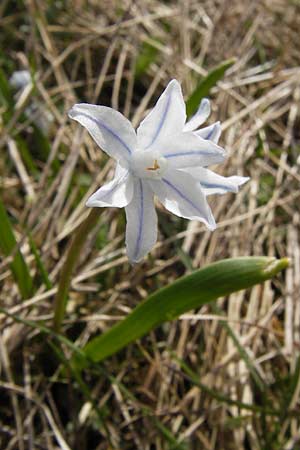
[174, 444]
[61, 298]
[39, 263]
[5, 89]
[26, 156]
[189, 292]
[6, 97]
[288, 394]
[8, 246]
[146, 57]
[203, 88]
[243, 354]
[220, 396]
[42, 144]
[38, 325]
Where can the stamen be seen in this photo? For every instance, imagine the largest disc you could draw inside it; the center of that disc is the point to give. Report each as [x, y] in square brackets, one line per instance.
[155, 166]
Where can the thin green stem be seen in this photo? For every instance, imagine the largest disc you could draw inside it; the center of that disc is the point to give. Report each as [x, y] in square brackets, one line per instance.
[61, 298]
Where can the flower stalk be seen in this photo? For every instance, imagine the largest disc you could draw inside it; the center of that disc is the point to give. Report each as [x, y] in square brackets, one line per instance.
[60, 301]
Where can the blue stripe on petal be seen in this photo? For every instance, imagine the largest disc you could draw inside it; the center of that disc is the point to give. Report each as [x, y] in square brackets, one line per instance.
[184, 197]
[218, 186]
[211, 133]
[189, 153]
[141, 221]
[101, 194]
[109, 130]
[120, 180]
[161, 122]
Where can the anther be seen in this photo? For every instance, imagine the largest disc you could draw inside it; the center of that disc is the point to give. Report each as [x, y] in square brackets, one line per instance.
[155, 166]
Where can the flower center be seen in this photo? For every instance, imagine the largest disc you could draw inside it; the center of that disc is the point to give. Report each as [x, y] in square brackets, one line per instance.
[148, 164]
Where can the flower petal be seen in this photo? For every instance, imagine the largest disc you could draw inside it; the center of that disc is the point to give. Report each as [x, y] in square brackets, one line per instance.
[212, 183]
[200, 117]
[211, 133]
[166, 118]
[182, 195]
[117, 193]
[141, 229]
[189, 150]
[109, 128]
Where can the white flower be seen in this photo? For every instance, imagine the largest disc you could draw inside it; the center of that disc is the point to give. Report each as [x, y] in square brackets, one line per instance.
[166, 157]
[20, 79]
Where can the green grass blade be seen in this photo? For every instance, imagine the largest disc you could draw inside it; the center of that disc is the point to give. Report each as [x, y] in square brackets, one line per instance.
[42, 144]
[292, 382]
[219, 396]
[26, 156]
[205, 85]
[35, 325]
[6, 97]
[61, 297]
[39, 263]
[174, 444]
[189, 292]
[8, 246]
[147, 55]
[5, 90]
[243, 354]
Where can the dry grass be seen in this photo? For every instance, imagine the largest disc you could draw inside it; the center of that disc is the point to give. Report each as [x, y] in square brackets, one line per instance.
[144, 397]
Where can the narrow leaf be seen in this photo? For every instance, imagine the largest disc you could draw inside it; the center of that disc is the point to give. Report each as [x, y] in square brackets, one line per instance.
[27, 156]
[260, 383]
[219, 396]
[205, 85]
[5, 90]
[8, 246]
[189, 292]
[6, 97]
[39, 263]
[61, 298]
[146, 57]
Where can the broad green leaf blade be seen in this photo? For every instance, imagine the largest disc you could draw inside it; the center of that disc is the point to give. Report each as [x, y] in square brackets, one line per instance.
[8, 246]
[205, 85]
[189, 292]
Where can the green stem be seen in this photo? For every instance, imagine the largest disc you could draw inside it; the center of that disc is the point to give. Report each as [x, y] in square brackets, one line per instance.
[60, 301]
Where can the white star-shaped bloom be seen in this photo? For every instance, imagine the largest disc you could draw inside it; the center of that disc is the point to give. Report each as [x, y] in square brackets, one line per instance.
[166, 157]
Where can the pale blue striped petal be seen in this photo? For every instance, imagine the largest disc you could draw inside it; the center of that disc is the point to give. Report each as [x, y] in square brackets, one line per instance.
[211, 133]
[212, 183]
[117, 193]
[166, 118]
[181, 194]
[189, 150]
[110, 129]
[200, 117]
[141, 228]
